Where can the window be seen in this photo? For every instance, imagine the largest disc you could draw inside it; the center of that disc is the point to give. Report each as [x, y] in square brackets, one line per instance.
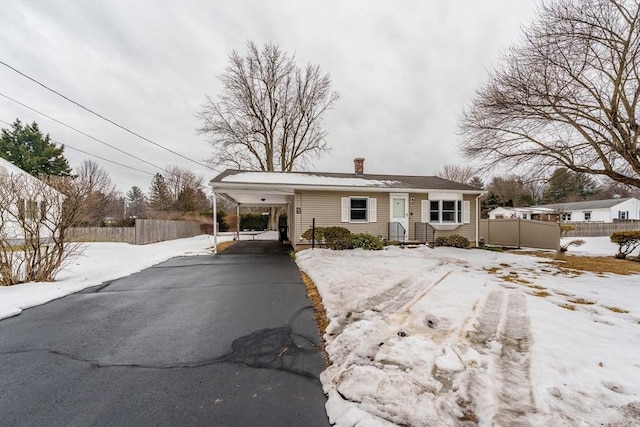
[358, 212]
[445, 211]
[623, 214]
[524, 216]
[587, 216]
[359, 209]
[566, 216]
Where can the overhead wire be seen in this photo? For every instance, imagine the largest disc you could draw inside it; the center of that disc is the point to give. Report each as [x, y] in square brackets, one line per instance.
[84, 133]
[90, 154]
[105, 118]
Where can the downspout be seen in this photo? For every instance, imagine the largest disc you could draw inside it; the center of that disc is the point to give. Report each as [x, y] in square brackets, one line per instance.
[478, 218]
[215, 224]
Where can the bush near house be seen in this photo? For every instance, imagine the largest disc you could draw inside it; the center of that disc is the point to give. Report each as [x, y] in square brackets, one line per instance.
[366, 241]
[319, 234]
[627, 242]
[454, 241]
[337, 238]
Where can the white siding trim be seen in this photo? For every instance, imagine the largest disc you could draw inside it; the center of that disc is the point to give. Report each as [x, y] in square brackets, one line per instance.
[346, 207]
[424, 208]
[373, 209]
[466, 212]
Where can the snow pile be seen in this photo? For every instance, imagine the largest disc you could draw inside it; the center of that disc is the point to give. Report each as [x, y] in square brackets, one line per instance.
[99, 262]
[447, 336]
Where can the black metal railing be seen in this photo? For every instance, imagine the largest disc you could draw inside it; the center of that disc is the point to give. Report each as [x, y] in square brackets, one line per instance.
[425, 232]
[397, 232]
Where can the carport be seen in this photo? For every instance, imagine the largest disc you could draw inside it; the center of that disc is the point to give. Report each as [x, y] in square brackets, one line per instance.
[252, 195]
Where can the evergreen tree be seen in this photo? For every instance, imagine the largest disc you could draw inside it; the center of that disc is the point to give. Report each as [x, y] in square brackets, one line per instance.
[476, 182]
[33, 152]
[567, 186]
[159, 196]
[136, 202]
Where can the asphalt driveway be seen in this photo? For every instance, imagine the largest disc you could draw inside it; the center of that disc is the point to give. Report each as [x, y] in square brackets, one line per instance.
[224, 340]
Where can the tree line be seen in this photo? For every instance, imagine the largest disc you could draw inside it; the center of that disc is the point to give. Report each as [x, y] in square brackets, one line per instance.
[176, 193]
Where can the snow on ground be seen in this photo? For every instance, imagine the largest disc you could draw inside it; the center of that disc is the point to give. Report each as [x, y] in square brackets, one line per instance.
[99, 262]
[449, 336]
[594, 246]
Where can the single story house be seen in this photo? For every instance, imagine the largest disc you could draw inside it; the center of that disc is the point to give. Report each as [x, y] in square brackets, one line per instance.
[596, 210]
[393, 207]
[25, 200]
[522, 213]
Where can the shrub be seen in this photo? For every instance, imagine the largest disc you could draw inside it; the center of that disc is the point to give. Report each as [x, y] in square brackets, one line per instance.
[319, 234]
[252, 221]
[566, 228]
[627, 242]
[337, 238]
[366, 241]
[454, 241]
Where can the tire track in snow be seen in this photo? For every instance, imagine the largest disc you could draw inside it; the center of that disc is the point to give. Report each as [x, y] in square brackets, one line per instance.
[515, 394]
[503, 319]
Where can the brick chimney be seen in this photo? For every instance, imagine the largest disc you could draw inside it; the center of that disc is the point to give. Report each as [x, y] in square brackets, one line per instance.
[358, 165]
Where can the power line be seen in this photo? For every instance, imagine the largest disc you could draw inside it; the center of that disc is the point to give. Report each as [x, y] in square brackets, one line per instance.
[92, 155]
[104, 118]
[83, 133]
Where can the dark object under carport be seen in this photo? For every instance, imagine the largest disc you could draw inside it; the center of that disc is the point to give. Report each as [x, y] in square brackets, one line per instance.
[283, 230]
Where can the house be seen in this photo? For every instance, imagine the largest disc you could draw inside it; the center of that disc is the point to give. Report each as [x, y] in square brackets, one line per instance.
[597, 210]
[394, 207]
[522, 213]
[26, 203]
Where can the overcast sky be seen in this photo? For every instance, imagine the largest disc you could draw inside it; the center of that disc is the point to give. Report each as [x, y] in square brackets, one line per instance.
[404, 71]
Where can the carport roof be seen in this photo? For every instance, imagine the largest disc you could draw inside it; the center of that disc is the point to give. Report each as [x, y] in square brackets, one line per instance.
[251, 187]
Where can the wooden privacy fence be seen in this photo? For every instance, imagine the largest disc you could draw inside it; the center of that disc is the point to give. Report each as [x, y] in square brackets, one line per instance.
[145, 231]
[516, 232]
[598, 229]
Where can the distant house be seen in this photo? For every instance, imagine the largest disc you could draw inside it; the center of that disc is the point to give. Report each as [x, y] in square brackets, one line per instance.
[585, 211]
[394, 207]
[607, 210]
[27, 201]
[522, 213]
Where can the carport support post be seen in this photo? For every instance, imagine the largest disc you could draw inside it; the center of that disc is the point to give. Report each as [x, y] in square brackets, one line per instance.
[215, 225]
[238, 222]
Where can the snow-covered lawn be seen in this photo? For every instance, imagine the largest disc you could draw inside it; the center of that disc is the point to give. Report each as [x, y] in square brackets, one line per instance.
[437, 337]
[594, 246]
[98, 263]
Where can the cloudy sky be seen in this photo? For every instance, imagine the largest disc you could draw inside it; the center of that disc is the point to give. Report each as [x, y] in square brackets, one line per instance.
[404, 71]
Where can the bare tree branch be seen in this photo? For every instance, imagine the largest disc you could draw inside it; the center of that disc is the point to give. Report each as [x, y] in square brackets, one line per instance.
[567, 96]
[269, 114]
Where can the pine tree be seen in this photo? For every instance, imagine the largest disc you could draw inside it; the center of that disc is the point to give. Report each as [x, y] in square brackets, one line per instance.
[136, 201]
[476, 182]
[159, 195]
[33, 152]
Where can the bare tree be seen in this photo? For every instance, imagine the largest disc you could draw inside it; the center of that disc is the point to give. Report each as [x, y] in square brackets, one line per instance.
[568, 96]
[461, 174]
[34, 219]
[269, 114]
[100, 197]
[185, 189]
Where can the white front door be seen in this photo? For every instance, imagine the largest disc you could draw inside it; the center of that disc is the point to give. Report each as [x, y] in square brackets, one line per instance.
[399, 216]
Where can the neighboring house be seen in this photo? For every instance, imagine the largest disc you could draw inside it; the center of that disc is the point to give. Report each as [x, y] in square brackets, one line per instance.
[394, 207]
[30, 202]
[597, 210]
[522, 213]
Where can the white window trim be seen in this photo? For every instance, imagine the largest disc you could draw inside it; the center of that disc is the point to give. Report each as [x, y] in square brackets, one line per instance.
[462, 211]
[372, 210]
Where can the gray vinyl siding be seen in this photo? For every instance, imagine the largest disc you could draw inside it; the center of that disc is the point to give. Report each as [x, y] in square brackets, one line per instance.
[326, 208]
[415, 216]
